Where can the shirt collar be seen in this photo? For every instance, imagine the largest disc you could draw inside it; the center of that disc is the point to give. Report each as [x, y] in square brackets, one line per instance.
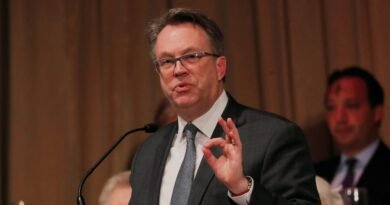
[364, 156]
[207, 122]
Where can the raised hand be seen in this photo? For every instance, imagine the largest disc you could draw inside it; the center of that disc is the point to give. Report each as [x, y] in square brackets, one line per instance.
[228, 167]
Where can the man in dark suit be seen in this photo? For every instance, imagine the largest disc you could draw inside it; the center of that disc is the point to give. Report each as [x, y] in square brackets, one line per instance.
[252, 157]
[354, 104]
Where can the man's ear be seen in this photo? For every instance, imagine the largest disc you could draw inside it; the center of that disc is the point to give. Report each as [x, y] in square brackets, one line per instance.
[221, 67]
[378, 113]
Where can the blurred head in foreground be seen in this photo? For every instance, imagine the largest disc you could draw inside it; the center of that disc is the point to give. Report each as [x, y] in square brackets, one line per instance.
[117, 190]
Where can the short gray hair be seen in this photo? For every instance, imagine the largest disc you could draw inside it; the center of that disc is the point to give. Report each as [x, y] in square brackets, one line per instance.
[178, 16]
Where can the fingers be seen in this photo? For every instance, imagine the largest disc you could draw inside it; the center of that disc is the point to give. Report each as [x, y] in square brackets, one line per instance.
[232, 136]
[210, 158]
[230, 144]
[215, 142]
[208, 155]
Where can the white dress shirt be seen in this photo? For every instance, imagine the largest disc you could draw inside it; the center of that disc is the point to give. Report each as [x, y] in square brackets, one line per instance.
[206, 125]
[362, 158]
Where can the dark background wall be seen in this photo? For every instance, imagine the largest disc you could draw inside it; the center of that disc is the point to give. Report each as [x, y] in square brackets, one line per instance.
[79, 76]
[4, 52]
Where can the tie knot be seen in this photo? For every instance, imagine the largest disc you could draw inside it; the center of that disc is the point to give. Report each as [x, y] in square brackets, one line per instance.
[351, 162]
[190, 131]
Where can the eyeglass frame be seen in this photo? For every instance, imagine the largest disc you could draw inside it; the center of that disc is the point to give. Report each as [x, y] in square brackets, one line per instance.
[173, 60]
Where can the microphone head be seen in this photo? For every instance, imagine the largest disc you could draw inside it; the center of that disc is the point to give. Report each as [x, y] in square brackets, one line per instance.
[149, 128]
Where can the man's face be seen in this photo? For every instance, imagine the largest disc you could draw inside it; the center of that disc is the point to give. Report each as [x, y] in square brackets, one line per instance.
[190, 89]
[351, 119]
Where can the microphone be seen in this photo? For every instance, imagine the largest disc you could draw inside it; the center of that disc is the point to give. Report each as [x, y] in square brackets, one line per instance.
[148, 128]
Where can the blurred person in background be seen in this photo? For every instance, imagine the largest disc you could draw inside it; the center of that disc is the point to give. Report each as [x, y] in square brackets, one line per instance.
[354, 102]
[165, 113]
[117, 190]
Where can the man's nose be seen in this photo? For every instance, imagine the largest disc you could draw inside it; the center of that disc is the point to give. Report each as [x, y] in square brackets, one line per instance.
[179, 68]
[341, 115]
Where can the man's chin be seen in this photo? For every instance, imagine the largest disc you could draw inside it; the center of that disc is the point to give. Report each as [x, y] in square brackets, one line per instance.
[347, 143]
[183, 105]
[184, 102]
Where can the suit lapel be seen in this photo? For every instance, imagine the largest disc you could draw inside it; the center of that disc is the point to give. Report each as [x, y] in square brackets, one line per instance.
[374, 167]
[205, 175]
[161, 156]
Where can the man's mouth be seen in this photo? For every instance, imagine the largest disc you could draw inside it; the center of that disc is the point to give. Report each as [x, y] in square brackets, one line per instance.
[343, 129]
[182, 87]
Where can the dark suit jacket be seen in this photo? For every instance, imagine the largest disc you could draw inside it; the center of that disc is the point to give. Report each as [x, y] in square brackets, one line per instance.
[375, 177]
[275, 154]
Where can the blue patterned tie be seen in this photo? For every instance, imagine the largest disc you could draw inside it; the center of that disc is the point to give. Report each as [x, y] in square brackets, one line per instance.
[182, 189]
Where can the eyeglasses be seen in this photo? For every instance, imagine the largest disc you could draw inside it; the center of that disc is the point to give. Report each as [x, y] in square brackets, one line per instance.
[186, 60]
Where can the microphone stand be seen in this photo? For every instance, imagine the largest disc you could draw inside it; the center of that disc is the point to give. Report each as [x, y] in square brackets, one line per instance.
[149, 128]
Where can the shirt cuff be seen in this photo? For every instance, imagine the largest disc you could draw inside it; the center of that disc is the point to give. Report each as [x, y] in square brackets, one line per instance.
[245, 198]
